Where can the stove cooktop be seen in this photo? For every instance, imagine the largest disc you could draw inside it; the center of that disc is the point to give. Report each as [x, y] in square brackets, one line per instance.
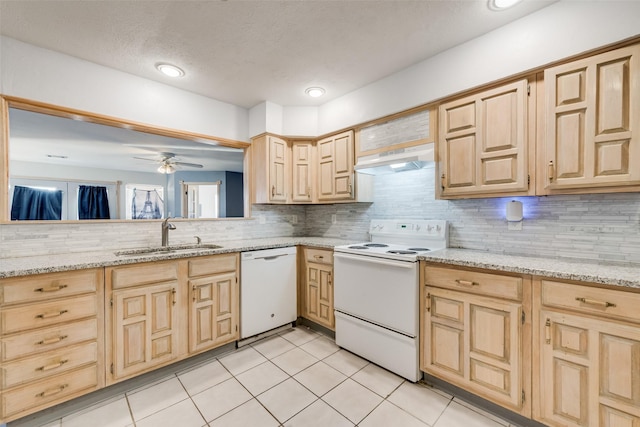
[400, 239]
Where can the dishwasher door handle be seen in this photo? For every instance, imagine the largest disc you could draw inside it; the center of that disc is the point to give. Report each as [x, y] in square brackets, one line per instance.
[272, 257]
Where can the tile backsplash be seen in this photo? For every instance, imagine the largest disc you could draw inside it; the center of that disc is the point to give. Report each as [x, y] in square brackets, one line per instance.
[598, 227]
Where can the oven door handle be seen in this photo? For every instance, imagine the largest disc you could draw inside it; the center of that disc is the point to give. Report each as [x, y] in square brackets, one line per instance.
[374, 260]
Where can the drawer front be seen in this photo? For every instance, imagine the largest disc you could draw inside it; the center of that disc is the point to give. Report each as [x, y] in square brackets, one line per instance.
[142, 274]
[202, 266]
[47, 339]
[497, 285]
[318, 256]
[34, 316]
[48, 391]
[592, 300]
[42, 287]
[47, 364]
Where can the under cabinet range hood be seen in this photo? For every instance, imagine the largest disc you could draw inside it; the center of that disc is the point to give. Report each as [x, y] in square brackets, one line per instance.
[399, 160]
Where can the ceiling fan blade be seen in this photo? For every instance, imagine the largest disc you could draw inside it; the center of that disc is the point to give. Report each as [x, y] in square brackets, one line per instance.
[191, 165]
[205, 147]
[148, 160]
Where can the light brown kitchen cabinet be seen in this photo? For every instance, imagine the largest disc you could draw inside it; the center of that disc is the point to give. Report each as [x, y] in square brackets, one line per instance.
[592, 119]
[335, 163]
[142, 317]
[475, 333]
[303, 171]
[213, 301]
[317, 289]
[271, 165]
[483, 142]
[51, 337]
[588, 372]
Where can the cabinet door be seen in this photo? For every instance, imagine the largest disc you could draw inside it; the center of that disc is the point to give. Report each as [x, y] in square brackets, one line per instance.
[592, 118]
[302, 173]
[213, 314]
[475, 343]
[319, 294]
[335, 167]
[145, 330]
[589, 371]
[483, 142]
[278, 169]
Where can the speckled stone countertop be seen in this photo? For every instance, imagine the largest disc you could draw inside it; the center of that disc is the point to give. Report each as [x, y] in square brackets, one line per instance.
[616, 274]
[13, 267]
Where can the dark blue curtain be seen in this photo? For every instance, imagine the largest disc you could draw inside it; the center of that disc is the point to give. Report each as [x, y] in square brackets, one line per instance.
[35, 204]
[93, 202]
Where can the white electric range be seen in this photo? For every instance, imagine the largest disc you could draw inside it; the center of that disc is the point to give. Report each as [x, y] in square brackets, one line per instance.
[376, 292]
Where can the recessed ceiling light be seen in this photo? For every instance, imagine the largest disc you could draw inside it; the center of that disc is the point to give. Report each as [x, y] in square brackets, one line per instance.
[502, 4]
[314, 92]
[170, 70]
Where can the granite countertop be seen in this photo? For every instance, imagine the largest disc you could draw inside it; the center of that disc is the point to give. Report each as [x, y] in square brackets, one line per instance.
[606, 273]
[23, 266]
[615, 274]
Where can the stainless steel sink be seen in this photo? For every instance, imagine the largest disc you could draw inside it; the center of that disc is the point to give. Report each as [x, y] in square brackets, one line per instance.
[167, 249]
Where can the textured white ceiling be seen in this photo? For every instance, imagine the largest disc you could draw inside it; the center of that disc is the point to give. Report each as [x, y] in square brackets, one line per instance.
[246, 52]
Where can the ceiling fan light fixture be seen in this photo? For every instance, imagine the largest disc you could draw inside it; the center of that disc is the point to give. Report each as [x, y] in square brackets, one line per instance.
[166, 168]
[314, 92]
[169, 69]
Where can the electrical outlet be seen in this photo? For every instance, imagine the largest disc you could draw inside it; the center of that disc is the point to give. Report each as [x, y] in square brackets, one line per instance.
[294, 219]
[262, 219]
[334, 219]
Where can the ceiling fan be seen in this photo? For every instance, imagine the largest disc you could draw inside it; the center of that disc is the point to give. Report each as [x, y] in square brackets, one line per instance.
[168, 163]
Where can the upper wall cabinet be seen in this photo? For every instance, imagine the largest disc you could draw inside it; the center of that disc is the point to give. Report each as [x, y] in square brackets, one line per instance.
[592, 118]
[270, 158]
[303, 171]
[484, 143]
[335, 167]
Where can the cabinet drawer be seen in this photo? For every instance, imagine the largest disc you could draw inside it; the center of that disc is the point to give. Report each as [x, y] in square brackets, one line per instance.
[497, 285]
[48, 391]
[318, 256]
[47, 364]
[47, 339]
[142, 274]
[202, 266]
[33, 316]
[592, 300]
[47, 286]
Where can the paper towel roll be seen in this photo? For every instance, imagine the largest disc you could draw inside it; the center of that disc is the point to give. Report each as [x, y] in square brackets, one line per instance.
[514, 211]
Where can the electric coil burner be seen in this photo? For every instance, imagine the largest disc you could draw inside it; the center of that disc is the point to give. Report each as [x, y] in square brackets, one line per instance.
[376, 292]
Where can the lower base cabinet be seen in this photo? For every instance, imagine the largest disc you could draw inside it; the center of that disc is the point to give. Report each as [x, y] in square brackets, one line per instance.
[317, 287]
[476, 338]
[589, 364]
[162, 312]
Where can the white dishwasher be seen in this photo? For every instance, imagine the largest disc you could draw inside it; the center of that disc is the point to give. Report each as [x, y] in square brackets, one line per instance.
[267, 290]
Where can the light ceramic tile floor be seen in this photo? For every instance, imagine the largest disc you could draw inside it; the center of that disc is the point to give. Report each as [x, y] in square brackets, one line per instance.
[297, 378]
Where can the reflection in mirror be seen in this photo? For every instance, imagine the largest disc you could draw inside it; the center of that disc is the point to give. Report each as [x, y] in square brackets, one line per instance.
[67, 169]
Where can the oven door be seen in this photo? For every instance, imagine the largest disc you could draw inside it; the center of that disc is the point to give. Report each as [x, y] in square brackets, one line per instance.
[378, 290]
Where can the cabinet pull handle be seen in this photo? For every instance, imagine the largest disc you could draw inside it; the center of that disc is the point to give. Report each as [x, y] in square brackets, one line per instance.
[52, 391]
[50, 288]
[428, 307]
[604, 304]
[466, 282]
[273, 190]
[52, 366]
[318, 257]
[551, 171]
[173, 295]
[442, 182]
[193, 290]
[547, 331]
[308, 192]
[349, 181]
[52, 340]
[51, 314]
